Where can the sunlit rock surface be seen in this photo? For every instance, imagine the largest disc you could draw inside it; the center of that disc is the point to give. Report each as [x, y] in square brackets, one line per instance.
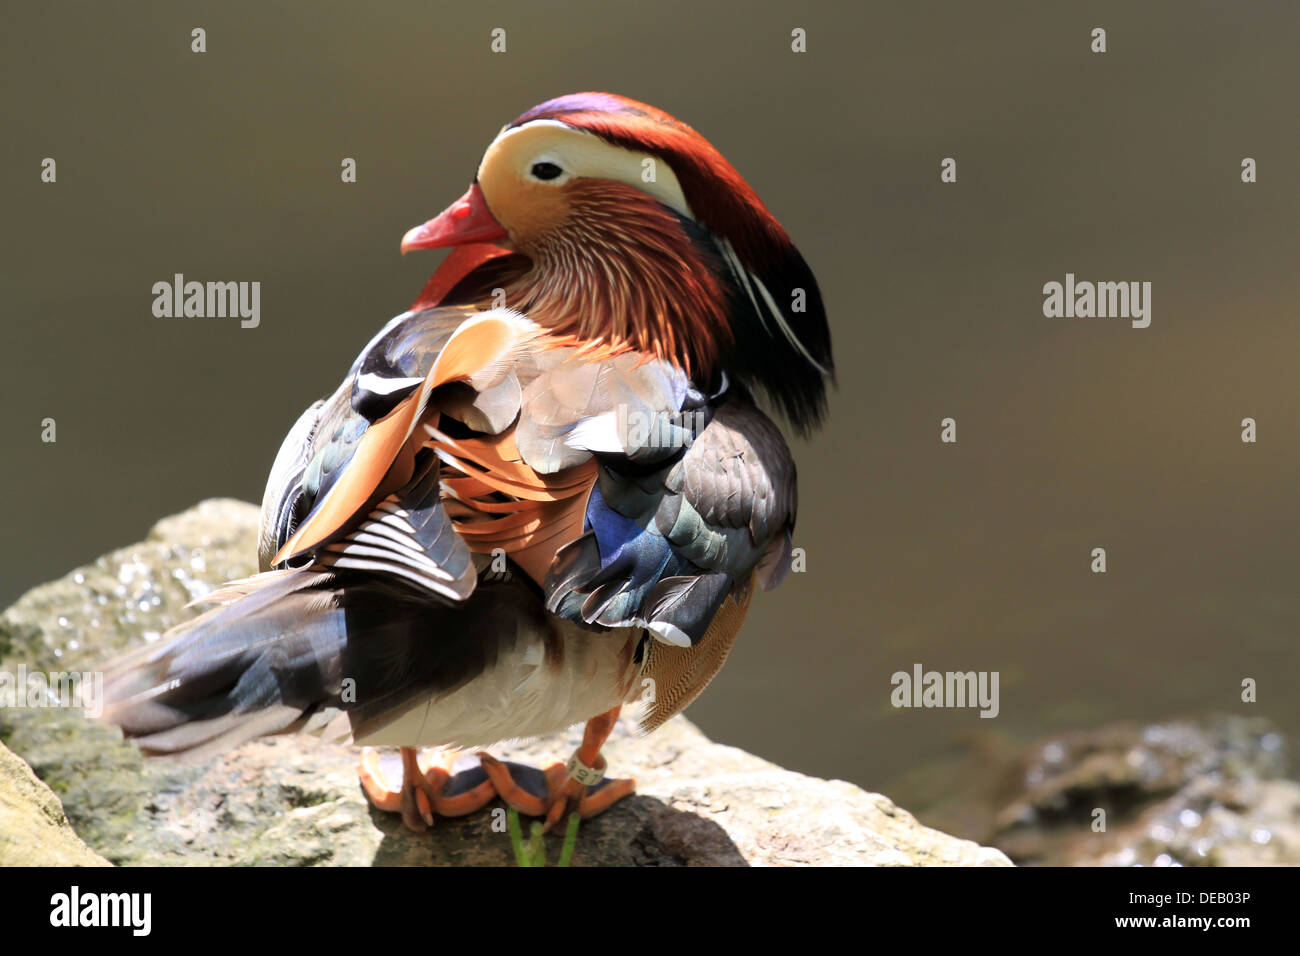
[33, 828]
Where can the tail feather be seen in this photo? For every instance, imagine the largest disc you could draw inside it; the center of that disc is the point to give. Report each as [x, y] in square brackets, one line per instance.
[332, 652]
[249, 667]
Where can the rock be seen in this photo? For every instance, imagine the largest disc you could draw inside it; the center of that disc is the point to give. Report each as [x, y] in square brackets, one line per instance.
[33, 828]
[1208, 791]
[296, 801]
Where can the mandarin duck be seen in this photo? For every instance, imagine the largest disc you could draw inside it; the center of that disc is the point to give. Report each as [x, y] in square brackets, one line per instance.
[543, 493]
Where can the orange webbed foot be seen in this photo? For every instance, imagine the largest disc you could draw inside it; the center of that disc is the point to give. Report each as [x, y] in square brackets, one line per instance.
[556, 792]
[421, 785]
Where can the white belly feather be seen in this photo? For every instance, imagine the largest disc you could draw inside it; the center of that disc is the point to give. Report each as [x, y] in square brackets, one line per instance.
[523, 695]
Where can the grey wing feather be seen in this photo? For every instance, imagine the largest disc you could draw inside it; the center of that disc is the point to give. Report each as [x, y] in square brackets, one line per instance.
[283, 502]
[665, 547]
[735, 492]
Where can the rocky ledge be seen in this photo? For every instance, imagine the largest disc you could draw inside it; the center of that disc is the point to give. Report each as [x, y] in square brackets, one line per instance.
[293, 801]
[1211, 790]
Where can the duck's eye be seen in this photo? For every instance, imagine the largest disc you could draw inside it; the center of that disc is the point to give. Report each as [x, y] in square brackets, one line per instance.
[545, 171]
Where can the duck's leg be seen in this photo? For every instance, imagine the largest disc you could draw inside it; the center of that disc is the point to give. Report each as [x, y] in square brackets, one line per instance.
[579, 787]
[422, 784]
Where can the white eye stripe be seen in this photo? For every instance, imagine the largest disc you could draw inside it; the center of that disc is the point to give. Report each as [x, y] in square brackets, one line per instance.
[512, 130]
[579, 154]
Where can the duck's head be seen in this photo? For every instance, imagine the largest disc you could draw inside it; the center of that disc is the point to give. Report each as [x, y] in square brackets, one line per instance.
[639, 234]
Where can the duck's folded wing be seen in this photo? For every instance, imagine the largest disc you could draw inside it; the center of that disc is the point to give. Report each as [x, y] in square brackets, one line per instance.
[668, 543]
[343, 490]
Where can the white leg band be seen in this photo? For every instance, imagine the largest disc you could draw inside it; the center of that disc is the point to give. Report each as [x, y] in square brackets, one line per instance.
[587, 776]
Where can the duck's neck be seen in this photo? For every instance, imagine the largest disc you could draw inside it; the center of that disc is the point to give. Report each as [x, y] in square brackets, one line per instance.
[625, 274]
